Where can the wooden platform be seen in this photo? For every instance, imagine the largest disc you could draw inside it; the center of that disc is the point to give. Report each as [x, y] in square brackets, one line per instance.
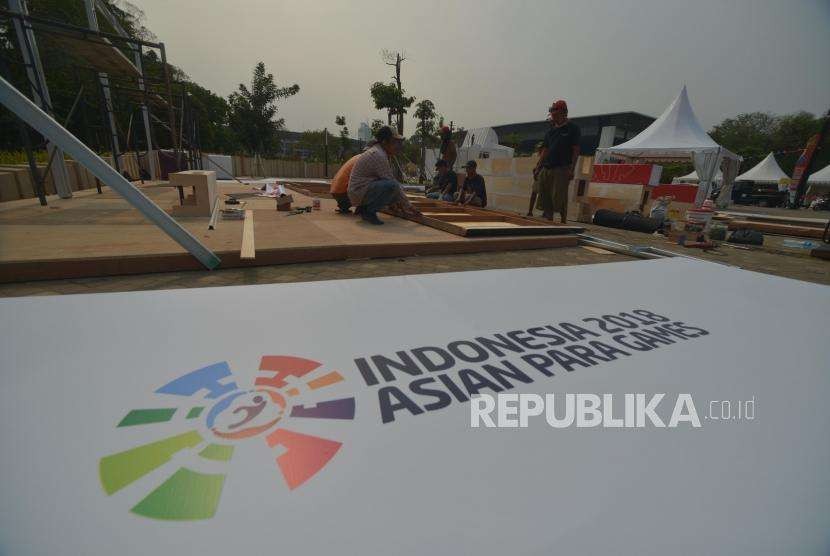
[101, 235]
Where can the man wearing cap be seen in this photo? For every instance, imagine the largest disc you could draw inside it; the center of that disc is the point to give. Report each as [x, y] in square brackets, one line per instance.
[556, 165]
[473, 191]
[444, 184]
[372, 186]
[448, 150]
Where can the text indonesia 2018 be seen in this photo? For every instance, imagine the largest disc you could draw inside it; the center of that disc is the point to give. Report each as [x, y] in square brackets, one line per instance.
[440, 376]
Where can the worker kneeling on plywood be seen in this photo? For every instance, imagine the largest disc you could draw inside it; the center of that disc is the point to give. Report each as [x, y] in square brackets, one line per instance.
[340, 186]
[372, 186]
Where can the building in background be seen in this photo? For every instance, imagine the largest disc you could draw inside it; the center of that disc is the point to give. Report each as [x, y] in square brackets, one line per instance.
[364, 132]
[600, 130]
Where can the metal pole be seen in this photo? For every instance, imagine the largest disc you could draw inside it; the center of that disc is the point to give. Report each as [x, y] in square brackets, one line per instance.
[145, 112]
[40, 91]
[326, 149]
[170, 114]
[103, 78]
[44, 124]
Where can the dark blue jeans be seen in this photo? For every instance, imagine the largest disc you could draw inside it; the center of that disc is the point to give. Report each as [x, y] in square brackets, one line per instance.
[379, 194]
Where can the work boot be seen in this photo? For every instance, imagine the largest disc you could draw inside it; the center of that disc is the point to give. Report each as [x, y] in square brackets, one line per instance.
[371, 218]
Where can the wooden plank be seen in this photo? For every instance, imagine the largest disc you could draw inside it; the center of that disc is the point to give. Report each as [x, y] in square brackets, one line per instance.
[247, 251]
[777, 229]
[597, 250]
[453, 218]
[56, 269]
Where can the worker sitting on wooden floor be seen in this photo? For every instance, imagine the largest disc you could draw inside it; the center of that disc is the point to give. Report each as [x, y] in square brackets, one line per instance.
[372, 186]
[340, 186]
[444, 184]
[556, 165]
[473, 191]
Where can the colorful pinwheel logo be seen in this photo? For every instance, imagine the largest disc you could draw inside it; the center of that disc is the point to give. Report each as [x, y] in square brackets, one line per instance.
[232, 415]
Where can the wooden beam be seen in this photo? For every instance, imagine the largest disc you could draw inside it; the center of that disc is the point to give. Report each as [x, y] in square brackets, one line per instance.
[247, 251]
[54, 269]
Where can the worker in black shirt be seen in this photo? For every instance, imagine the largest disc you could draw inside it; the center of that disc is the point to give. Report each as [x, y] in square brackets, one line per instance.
[445, 183]
[473, 191]
[556, 164]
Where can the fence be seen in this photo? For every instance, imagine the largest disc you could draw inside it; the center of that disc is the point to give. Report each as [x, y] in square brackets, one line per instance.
[16, 182]
[269, 167]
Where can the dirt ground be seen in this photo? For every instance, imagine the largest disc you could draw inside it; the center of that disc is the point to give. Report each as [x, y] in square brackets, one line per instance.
[772, 258]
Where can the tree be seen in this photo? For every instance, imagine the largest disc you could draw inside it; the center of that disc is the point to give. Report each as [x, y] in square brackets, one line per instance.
[756, 134]
[395, 60]
[345, 141]
[375, 126]
[387, 96]
[252, 112]
[392, 96]
[425, 114]
[313, 142]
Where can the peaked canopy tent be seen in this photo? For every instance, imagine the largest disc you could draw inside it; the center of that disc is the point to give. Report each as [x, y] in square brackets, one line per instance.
[766, 171]
[678, 136]
[818, 182]
[692, 178]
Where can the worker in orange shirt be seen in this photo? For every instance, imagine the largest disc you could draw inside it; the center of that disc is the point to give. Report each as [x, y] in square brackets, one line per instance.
[340, 186]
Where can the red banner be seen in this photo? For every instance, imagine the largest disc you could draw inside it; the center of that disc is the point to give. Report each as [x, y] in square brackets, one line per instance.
[639, 174]
[681, 193]
[805, 158]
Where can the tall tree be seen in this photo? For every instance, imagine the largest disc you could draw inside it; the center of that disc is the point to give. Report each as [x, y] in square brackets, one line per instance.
[253, 111]
[425, 114]
[345, 141]
[395, 59]
[387, 96]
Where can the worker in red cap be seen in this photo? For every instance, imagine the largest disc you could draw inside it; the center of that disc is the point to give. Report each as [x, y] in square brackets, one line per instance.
[449, 152]
[555, 168]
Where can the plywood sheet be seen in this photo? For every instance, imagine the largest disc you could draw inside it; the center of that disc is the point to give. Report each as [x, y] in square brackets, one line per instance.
[102, 55]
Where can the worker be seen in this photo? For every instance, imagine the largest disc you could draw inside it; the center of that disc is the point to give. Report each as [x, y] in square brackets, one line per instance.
[372, 186]
[473, 192]
[444, 184]
[448, 150]
[340, 186]
[534, 192]
[556, 165]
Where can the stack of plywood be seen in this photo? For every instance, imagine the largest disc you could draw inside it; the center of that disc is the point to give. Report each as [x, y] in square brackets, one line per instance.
[509, 182]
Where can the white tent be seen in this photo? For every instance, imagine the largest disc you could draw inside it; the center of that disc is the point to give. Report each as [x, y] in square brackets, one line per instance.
[820, 177]
[678, 136]
[818, 182]
[692, 178]
[766, 171]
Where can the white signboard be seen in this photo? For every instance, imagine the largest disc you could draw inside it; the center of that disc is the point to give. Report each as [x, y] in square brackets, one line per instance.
[334, 417]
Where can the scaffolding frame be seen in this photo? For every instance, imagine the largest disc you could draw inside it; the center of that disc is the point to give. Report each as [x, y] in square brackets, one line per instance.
[152, 94]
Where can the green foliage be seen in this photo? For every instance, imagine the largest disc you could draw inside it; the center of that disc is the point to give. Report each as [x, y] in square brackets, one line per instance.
[425, 115]
[345, 142]
[253, 111]
[756, 134]
[387, 96]
[376, 125]
[672, 170]
[314, 142]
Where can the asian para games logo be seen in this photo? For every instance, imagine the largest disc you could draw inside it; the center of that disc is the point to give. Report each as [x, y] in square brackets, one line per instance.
[220, 414]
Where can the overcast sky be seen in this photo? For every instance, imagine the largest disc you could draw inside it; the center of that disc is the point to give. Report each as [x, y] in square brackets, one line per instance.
[488, 62]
